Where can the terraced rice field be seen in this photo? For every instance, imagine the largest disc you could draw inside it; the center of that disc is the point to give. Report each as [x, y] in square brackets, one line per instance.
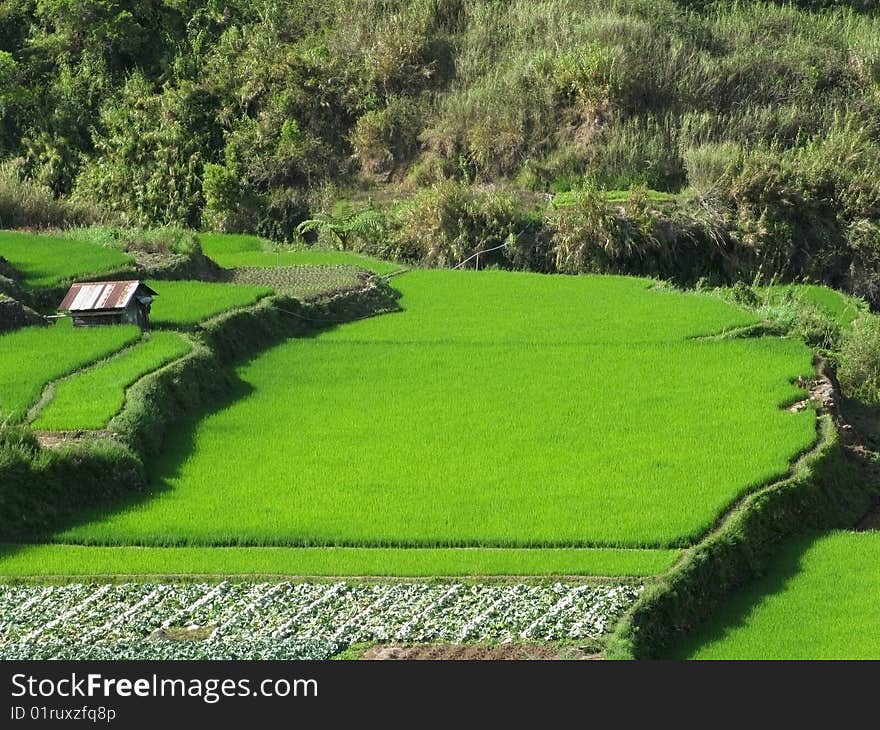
[35, 356]
[187, 303]
[45, 261]
[90, 398]
[96, 561]
[498, 411]
[817, 601]
[842, 308]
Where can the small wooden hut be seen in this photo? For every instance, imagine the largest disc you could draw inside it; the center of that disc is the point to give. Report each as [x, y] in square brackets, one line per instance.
[109, 302]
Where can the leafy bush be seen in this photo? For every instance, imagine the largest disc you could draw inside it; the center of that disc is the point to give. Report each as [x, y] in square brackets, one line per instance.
[637, 151]
[587, 75]
[859, 360]
[816, 327]
[452, 220]
[151, 147]
[221, 188]
[743, 294]
[17, 444]
[166, 239]
[584, 234]
[707, 163]
[280, 215]
[386, 138]
[357, 230]
[863, 238]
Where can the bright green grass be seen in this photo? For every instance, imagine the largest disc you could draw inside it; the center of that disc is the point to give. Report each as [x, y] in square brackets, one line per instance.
[520, 309]
[562, 200]
[88, 400]
[845, 309]
[234, 250]
[819, 600]
[47, 560]
[30, 358]
[45, 261]
[182, 303]
[499, 409]
[219, 246]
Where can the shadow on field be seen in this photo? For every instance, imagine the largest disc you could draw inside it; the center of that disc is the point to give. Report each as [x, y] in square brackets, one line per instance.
[862, 443]
[736, 612]
[179, 443]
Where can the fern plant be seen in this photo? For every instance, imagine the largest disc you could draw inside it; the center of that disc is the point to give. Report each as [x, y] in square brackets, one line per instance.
[346, 229]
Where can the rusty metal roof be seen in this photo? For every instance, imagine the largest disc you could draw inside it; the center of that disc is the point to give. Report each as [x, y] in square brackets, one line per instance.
[96, 296]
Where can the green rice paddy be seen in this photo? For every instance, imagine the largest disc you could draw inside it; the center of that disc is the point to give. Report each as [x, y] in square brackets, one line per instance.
[497, 410]
[45, 261]
[187, 303]
[49, 560]
[569, 197]
[32, 357]
[817, 601]
[237, 250]
[90, 398]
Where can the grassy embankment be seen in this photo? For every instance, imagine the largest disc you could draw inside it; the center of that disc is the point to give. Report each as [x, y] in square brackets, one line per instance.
[818, 600]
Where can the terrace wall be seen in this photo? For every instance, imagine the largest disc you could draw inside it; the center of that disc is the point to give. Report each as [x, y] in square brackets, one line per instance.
[824, 491]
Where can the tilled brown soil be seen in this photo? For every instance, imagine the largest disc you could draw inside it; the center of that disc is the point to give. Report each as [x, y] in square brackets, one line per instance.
[477, 652]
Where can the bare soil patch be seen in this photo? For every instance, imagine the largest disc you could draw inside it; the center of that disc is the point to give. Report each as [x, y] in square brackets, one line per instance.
[821, 391]
[54, 439]
[478, 652]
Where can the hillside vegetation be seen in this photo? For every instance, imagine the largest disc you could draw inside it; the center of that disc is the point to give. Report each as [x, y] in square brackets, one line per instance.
[254, 115]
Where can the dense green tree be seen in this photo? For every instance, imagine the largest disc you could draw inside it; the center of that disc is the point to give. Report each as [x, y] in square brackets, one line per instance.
[150, 152]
